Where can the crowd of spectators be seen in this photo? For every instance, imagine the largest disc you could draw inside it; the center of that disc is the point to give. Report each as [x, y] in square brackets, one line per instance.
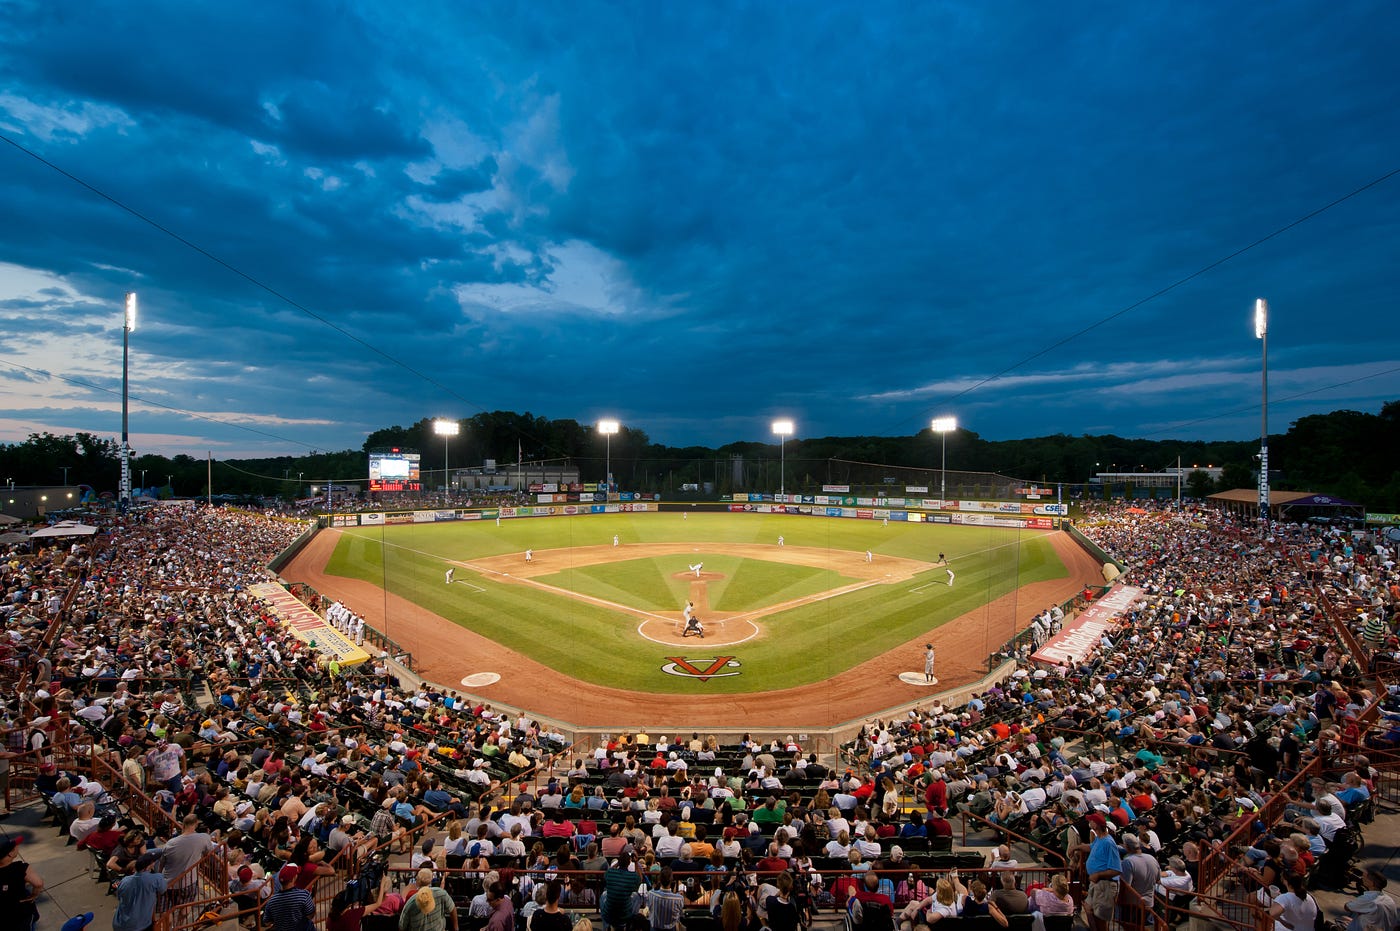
[1130, 766]
[249, 745]
[1224, 679]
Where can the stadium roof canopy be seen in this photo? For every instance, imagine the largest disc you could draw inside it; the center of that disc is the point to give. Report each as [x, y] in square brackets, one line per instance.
[1289, 505]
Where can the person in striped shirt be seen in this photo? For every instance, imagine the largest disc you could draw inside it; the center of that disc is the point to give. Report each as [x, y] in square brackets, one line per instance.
[664, 903]
[291, 909]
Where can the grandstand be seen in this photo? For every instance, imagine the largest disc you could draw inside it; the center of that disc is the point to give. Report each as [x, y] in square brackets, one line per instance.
[1244, 698]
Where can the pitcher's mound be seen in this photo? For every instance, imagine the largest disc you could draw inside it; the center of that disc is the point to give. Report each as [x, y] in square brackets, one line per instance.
[916, 678]
[702, 577]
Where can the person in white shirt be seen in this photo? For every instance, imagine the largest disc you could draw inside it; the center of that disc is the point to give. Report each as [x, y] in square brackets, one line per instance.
[1295, 910]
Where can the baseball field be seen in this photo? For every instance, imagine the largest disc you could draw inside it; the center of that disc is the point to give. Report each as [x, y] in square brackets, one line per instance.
[602, 598]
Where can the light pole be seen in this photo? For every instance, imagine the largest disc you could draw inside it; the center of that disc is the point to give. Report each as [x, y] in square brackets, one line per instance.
[128, 324]
[943, 425]
[143, 479]
[783, 428]
[608, 428]
[170, 483]
[65, 474]
[1261, 333]
[446, 429]
[299, 475]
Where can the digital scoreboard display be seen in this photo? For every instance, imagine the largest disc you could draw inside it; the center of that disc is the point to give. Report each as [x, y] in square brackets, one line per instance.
[394, 470]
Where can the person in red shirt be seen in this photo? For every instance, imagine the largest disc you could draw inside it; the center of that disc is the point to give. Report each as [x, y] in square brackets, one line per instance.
[866, 789]
[936, 794]
[558, 826]
[104, 839]
[935, 825]
[772, 863]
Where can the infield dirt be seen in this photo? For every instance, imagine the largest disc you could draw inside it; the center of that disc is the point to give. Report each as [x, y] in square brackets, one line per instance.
[446, 652]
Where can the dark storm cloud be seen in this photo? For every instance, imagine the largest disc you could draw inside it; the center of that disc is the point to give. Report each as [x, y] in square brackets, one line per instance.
[697, 216]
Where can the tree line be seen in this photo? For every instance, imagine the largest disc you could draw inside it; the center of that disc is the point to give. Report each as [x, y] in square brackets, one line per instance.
[1346, 453]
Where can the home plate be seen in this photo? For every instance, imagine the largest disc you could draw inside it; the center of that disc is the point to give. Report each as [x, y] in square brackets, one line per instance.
[481, 679]
[915, 678]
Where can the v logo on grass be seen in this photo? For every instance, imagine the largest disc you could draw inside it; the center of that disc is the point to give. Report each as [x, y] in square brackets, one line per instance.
[680, 666]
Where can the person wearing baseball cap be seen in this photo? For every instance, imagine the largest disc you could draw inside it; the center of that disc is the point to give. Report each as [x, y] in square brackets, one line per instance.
[138, 894]
[290, 908]
[1104, 866]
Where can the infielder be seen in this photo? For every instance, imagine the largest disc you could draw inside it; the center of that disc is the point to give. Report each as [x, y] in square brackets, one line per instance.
[449, 575]
[950, 578]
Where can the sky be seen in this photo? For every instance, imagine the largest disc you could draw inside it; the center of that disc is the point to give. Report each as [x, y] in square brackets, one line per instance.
[694, 217]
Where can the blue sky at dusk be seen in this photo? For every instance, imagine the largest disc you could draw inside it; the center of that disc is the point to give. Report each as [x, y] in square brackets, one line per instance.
[695, 216]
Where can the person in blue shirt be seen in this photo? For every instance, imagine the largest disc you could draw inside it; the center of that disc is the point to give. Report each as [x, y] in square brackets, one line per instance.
[1104, 866]
[65, 797]
[138, 893]
[1355, 792]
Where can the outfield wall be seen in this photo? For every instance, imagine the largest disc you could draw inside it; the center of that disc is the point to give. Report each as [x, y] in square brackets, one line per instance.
[1012, 515]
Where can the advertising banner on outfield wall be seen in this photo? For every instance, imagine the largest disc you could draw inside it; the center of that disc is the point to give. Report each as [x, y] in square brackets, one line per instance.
[345, 520]
[424, 517]
[916, 489]
[478, 515]
[444, 515]
[836, 489]
[1083, 633]
[371, 520]
[941, 518]
[306, 625]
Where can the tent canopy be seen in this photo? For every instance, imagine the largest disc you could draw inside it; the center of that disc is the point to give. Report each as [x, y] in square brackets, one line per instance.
[1291, 505]
[66, 528]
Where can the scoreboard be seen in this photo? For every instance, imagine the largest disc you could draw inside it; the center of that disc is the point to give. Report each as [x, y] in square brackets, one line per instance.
[394, 470]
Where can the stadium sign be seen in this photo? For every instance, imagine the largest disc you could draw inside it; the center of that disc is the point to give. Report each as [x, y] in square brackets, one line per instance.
[1083, 633]
[693, 669]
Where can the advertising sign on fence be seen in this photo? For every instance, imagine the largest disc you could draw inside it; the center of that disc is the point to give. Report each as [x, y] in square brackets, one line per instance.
[1082, 634]
[306, 625]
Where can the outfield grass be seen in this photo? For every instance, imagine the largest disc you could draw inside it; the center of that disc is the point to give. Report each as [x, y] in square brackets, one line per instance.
[802, 645]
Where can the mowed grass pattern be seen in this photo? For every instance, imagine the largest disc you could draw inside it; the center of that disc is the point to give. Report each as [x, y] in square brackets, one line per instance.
[805, 644]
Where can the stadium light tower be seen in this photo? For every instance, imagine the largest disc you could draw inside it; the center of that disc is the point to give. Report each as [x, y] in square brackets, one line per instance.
[1261, 333]
[446, 429]
[944, 426]
[608, 428]
[128, 324]
[783, 428]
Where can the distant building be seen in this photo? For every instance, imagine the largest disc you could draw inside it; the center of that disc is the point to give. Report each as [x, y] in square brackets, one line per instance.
[1167, 478]
[489, 475]
[29, 501]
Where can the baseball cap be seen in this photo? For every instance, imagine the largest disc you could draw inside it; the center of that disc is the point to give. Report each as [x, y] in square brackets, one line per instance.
[1097, 820]
[289, 873]
[78, 922]
[7, 844]
[245, 874]
[147, 858]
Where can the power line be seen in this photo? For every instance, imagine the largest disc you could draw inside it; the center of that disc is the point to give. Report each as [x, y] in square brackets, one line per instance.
[256, 282]
[1171, 287]
[176, 410]
[1255, 407]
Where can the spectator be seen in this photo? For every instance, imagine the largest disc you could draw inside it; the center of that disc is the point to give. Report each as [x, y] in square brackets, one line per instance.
[138, 894]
